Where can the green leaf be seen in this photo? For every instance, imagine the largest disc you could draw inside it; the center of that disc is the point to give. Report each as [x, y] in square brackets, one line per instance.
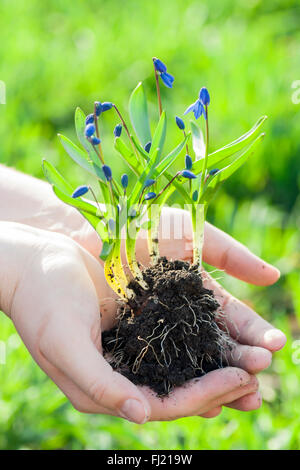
[140, 149]
[64, 190]
[228, 150]
[146, 225]
[106, 250]
[198, 141]
[215, 181]
[78, 203]
[80, 131]
[128, 156]
[97, 224]
[147, 173]
[171, 158]
[81, 157]
[158, 138]
[55, 178]
[138, 112]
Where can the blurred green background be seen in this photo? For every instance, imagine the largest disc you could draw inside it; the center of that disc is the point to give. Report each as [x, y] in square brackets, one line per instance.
[58, 54]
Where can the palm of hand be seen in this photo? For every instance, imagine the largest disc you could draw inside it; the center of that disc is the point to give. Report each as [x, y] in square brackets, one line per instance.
[60, 324]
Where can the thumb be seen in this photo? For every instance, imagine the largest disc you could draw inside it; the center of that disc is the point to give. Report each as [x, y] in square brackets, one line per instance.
[73, 352]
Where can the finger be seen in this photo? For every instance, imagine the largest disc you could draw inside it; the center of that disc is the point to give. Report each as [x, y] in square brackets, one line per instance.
[196, 397]
[250, 358]
[82, 363]
[212, 413]
[236, 394]
[243, 323]
[80, 401]
[223, 252]
[249, 402]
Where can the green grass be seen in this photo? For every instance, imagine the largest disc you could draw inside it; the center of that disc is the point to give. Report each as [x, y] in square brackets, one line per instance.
[60, 54]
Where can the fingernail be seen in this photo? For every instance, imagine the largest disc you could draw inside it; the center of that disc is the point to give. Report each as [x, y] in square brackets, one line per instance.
[276, 337]
[134, 411]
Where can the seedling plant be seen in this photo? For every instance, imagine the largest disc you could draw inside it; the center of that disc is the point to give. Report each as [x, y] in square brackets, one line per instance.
[169, 328]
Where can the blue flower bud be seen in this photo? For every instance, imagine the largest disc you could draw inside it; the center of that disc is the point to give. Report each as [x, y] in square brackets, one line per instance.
[180, 123]
[107, 172]
[132, 212]
[148, 146]
[214, 171]
[118, 130]
[89, 130]
[98, 108]
[188, 162]
[188, 174]
[95, 141]
[195, 196]
[106, 106]
[111, 224]
[80, 191]
[124, 180]
[159, 66]
[149, 196]
[89, 119]
[204, 96]
[149, 183]
[167, 79]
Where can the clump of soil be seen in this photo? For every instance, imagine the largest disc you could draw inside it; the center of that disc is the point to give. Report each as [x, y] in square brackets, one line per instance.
[170, 333]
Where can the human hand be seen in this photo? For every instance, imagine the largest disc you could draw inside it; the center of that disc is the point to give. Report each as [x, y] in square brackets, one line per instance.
[53, 290]
[255, 338]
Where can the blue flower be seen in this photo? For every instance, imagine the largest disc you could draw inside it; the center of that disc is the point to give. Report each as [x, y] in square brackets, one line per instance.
[159, 66]
[98, 108]
[188, 174]
[95, 141]
[147, 147]
[180, 123]
[161, 69]
[89, 119]
[214, 171]
[188, 162]
[204, 96]
[107, 172]
[80, 191]
[197, 108]
[106, 106]
[167, 79]
[118, 130]
[89, 130]
[149, 196]
[149, 183]
[124, 180]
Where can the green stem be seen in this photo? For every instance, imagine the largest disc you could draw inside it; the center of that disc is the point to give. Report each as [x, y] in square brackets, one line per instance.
[198, 219]
[153, 232]
[128, 133]
[131, 257]
[158, 90]
[203, 173]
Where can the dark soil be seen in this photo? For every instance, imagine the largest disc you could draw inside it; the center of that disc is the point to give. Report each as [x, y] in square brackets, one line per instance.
[169, 334]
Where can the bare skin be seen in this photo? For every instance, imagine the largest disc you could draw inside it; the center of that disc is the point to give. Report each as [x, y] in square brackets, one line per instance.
[54, 287]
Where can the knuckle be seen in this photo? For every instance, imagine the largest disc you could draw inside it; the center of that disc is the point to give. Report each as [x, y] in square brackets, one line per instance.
[97, 391]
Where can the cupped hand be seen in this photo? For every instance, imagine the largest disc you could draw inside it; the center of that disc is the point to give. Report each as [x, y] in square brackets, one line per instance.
[54, 290]
[255, 339]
